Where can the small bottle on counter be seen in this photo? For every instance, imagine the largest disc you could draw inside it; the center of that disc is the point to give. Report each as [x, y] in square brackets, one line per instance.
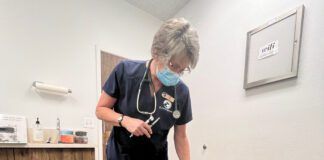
[38, 133]
[58, 128]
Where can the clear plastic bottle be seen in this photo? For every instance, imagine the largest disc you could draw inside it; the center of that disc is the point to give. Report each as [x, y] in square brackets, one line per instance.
[38, 133]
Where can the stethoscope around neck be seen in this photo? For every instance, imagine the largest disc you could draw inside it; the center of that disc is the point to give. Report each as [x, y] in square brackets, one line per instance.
[176, 113]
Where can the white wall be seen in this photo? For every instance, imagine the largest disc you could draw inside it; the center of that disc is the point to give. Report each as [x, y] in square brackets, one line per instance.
[54, 42]
[280, 121]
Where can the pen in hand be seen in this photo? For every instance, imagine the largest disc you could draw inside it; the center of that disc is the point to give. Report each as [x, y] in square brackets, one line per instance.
[151, 125]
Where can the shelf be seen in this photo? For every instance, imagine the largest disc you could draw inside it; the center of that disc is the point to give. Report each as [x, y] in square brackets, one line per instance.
[34, 145]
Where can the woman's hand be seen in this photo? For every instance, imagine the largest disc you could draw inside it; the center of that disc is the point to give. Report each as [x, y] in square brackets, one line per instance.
[137, 127]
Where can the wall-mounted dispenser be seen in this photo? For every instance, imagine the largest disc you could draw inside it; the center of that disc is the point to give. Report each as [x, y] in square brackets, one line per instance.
[48, 88]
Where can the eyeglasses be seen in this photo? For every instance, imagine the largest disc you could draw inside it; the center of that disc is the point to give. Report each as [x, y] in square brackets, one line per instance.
[178, 70]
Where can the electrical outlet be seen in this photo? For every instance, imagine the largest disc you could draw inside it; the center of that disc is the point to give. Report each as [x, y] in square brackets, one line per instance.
[88, 122]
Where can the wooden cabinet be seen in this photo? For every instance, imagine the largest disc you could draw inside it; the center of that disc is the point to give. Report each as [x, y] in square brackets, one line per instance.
[47, 153]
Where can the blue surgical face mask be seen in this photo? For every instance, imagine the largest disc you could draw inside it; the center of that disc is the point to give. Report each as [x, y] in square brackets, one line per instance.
[167, 77]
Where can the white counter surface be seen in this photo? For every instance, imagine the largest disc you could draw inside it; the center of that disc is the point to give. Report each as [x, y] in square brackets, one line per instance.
[34, 145]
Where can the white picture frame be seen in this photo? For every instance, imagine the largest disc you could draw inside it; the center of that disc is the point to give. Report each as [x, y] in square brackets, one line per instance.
[272, 49]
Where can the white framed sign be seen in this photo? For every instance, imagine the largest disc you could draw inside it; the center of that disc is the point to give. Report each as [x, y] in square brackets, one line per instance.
[13, 129]
[272, 49]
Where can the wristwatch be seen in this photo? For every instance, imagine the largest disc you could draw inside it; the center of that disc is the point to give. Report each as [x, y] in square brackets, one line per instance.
[120, 119]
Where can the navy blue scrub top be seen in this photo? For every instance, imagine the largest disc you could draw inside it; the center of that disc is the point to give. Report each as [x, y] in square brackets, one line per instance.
[123, 84]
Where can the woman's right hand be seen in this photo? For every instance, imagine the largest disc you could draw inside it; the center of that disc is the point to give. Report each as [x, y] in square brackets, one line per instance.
[137, 127]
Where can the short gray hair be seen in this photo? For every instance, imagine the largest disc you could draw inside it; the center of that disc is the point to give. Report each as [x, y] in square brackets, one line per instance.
[175, 37]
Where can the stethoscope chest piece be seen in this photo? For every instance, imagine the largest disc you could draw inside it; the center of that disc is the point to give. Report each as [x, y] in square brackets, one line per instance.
[176, 114]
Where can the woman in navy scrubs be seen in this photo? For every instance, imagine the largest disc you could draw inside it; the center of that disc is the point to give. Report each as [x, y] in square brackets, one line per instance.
[144, 99]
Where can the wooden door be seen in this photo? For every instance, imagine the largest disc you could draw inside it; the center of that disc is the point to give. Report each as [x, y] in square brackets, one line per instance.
[108, 63]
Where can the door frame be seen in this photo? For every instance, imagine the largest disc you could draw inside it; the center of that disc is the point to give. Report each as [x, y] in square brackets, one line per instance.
[99, 155]
[98, 51]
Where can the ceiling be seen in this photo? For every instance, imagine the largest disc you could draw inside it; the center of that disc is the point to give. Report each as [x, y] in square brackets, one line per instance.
[161, 9]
